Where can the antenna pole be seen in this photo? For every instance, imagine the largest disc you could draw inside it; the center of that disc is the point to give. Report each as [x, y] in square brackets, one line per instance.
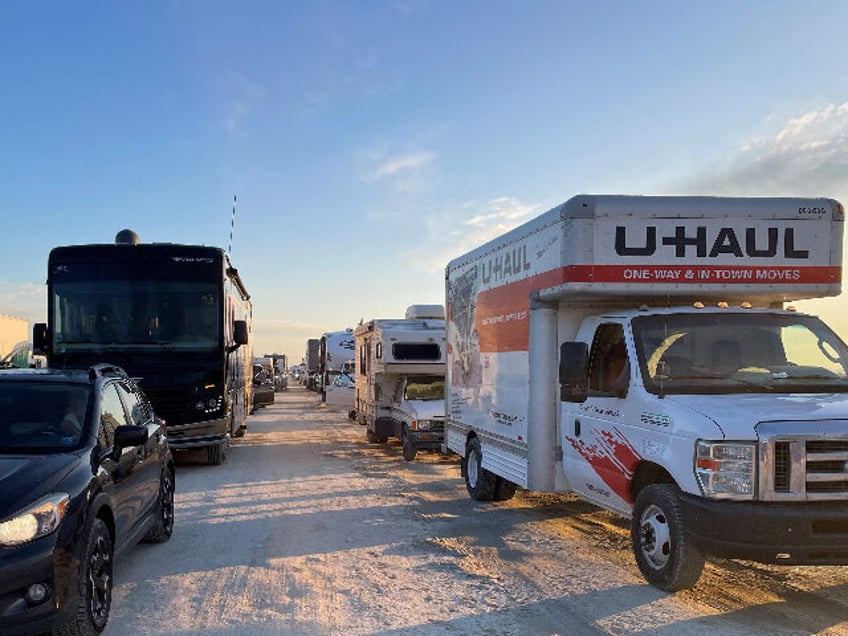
[232, 225]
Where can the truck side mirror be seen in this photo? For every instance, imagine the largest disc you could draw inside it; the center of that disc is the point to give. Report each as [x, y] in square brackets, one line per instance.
[573, 371]
[39, 338]
[240, 332]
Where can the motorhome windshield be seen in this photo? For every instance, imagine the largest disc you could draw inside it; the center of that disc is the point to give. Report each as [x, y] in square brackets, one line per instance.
[731, 352]
[425, 388]
[132, 314]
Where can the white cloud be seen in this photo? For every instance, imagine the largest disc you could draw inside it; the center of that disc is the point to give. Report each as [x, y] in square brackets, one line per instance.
[24, 300]
[248, 95]
[461, 227]
[404, 171]
[394, 165]
[806, 156]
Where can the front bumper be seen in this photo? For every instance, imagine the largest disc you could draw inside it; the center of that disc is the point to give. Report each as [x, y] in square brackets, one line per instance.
[23, 566]
[814, 533]
[198, 434]
[429, 439]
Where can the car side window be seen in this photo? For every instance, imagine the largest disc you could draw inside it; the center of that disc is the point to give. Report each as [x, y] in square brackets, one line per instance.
[135, 406]
[112, 416]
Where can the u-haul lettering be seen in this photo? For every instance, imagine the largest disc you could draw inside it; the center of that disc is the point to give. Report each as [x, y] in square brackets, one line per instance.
[725, 242]
[798, 244]
[503, 266]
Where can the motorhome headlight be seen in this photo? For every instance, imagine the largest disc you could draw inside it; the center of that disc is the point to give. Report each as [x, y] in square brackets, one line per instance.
[725, 470]
[210, 405]
[40, 519]
[424, 425]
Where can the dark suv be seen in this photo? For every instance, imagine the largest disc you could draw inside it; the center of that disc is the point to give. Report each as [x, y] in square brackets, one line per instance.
[85, 473]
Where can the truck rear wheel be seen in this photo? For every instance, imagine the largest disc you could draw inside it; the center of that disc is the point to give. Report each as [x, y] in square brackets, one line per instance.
[373, 438]
[661, 546]
[409, 448]
[504, 489]
[479, 482]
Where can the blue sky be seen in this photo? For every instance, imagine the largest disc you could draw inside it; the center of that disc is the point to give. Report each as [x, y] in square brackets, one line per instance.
[371, 142]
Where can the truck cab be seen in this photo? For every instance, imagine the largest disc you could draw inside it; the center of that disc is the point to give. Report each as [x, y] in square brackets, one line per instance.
[418, 413]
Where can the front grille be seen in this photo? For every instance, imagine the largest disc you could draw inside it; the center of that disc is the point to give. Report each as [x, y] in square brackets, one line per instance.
[170, 403]
[782, 467]
[804, 467]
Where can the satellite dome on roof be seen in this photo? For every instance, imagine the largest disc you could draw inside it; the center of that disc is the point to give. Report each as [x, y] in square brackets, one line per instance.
[127, 237]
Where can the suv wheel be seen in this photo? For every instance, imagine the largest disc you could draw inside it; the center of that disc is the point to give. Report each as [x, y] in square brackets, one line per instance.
[164, 526]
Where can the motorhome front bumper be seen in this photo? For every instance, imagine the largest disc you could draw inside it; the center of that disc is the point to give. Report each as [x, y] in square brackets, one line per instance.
[813, 533]
[198, 434]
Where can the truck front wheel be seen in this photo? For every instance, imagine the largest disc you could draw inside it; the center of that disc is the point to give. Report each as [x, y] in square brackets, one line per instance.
[479, 482]
[662, 548]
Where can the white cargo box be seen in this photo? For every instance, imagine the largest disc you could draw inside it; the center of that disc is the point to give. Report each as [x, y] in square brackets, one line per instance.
[708, 248]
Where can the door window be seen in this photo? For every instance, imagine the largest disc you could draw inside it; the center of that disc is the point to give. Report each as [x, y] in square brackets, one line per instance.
[112, 416]
[609, 371]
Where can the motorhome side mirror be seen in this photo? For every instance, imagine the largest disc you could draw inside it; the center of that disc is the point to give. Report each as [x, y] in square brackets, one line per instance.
[573, 371]
[240, 332]
[39, 338]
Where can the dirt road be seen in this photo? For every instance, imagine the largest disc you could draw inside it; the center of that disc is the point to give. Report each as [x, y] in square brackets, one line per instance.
[307, 529]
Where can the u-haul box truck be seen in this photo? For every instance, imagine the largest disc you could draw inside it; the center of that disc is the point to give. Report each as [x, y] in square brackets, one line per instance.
[400, 379]
[636, 351]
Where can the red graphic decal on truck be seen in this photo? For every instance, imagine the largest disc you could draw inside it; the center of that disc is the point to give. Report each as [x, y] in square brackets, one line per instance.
[613, 458]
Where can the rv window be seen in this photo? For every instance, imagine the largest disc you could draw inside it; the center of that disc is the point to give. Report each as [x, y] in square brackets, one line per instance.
[416, 351]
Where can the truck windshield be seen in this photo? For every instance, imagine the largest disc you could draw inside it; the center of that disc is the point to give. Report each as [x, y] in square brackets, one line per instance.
[736, 352]
[132, 314]
[425, 388]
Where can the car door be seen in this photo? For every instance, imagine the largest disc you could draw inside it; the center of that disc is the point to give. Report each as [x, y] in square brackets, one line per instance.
[122, 469]
[149, 460]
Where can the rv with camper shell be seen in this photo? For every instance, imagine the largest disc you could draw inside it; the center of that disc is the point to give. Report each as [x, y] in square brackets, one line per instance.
[400, 379]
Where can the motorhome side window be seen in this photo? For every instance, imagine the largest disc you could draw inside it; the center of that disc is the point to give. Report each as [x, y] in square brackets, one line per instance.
[609, 370]
[363, 357]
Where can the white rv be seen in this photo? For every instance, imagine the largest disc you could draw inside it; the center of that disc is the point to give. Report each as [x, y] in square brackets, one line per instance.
[15, 349]
[400, 379]
[334, 353]
[638, 352]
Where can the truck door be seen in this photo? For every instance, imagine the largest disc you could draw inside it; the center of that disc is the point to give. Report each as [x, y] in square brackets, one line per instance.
[597, 457]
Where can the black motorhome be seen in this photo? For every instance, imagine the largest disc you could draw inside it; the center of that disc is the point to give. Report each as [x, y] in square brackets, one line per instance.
[176, 317]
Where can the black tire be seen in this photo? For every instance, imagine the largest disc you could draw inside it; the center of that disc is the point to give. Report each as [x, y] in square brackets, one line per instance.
[409, 449]
[95, 584]
[164, 526]
[479, 482]
[373, 438]
[216, 454]
[504, 489]
[663, 551]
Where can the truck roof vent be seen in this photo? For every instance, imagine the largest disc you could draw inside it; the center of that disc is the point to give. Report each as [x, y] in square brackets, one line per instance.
[127, 237]
[420, 312]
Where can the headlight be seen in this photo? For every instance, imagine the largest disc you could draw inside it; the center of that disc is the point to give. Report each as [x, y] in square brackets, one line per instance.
[42, 518]
[209, 405]
[726, 470]
[423, 425]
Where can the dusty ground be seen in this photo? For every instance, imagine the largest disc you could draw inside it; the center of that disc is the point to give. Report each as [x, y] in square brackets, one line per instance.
[307, 529]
